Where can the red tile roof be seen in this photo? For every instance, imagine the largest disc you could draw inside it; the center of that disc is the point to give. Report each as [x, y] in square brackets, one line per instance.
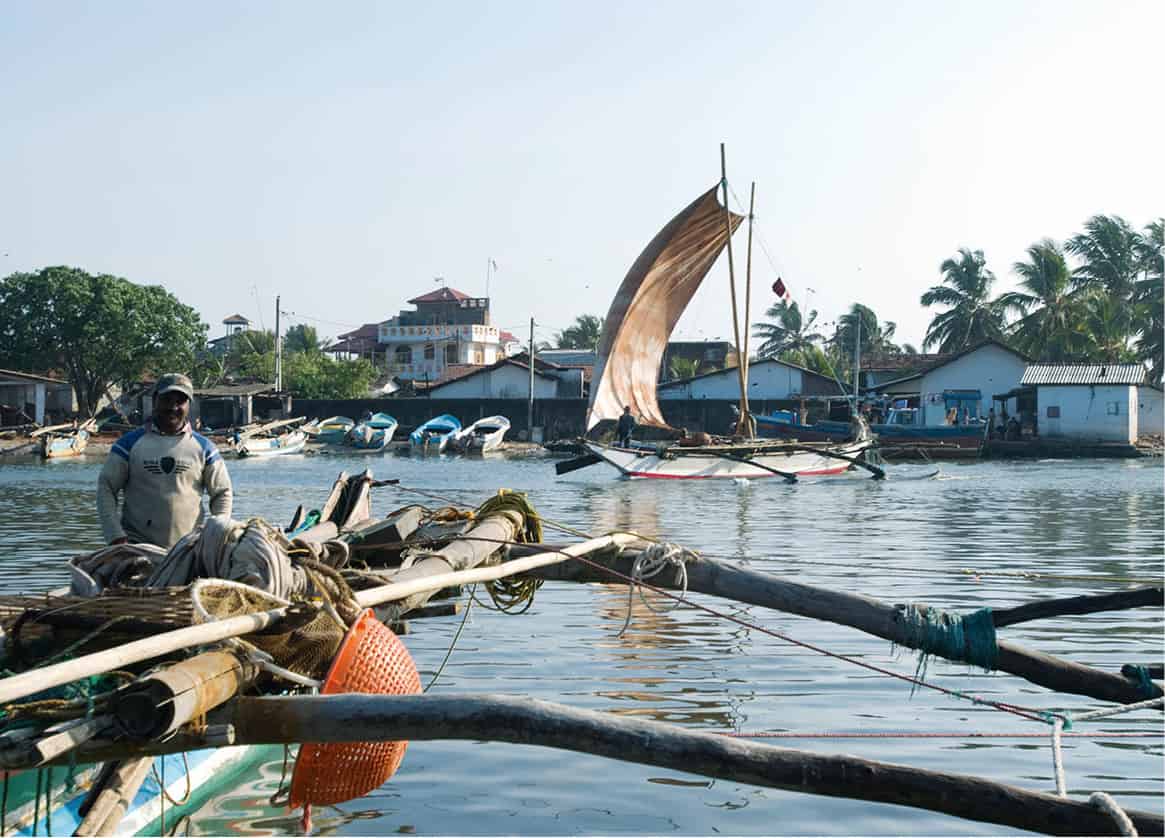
[441, 295]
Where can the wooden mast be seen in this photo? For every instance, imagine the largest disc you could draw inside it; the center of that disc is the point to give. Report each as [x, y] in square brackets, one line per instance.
[745, 414]
[742, 420]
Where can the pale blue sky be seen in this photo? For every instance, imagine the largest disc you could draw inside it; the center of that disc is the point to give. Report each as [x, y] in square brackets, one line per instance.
[344, 155]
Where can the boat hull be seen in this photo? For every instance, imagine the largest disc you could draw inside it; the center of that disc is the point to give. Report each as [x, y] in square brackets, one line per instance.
[70, 445]
[828, 431]
[711, 463]
[292, 443]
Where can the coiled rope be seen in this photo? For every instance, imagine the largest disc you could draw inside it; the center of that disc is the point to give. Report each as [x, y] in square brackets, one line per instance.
[511, 595]
[650, 563]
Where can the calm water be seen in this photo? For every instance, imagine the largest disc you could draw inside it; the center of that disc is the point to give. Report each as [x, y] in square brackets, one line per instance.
[1086, 527]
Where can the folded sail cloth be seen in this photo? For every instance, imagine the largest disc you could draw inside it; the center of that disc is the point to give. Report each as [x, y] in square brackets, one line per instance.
[252, 552]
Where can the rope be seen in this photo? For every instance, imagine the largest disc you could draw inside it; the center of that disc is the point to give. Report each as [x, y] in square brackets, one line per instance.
[1105, 803]
[969, 638]
[1140, 674]
[162, 786]
[1058, 757]
[453, 642]
[650, 563]
[513, 596]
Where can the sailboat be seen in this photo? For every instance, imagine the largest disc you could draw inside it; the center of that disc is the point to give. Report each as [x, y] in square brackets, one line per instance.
[646, 309]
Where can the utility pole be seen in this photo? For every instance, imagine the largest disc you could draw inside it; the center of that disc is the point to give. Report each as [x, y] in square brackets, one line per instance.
[278, 350]
[530, 405]
[857, 359]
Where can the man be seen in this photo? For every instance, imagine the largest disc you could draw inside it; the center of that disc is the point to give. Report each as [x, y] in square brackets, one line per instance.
[161, 470]
[626, 427]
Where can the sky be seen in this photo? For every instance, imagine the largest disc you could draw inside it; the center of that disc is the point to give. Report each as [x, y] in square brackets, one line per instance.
[350, 156]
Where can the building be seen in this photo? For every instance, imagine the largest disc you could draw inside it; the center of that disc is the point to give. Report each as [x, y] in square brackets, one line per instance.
[509, 378]
[359, 343]
[768, 380]
[448, 328]
[25, 398]
[1150, 407]
[234, 324]
[964, 381]
[1087, 402]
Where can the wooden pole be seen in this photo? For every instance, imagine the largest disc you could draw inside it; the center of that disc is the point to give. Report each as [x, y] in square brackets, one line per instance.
[111, 804]
[745, 413]
[872, 616]
[741, 422]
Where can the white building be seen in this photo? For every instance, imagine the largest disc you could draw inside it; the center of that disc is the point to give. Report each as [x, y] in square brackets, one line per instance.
[507, 379]
[966, 380]
[448, 328]
[1150, 407]
[769, 379]
[1087, 402]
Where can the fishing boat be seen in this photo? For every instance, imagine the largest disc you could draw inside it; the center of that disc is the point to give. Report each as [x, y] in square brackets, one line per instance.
[483, 435]
[68, 440]
[291, 442]
[902, 427]
[645, 311]
[372, 434]
[333, 429]
[433, 436]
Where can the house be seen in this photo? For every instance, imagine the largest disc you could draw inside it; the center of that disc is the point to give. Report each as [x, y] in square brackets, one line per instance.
[226, 405]
[234, 324]
[26, 397]
[447, 328]
[769, 379]
[510, 343]
[1150, 419]
[1087, 402]
[965, 381]
[876, 370]
[508, 378]
[358, 343]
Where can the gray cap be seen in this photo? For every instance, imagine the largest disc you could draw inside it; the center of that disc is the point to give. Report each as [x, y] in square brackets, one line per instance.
[174, 382]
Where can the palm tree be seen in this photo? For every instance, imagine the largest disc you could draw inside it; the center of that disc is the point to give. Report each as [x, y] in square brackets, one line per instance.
[875, 336]
[1109, 253]
[789, 333]
[1149, 300]
[584, 334]
[684, 367]
[302, 338]
[1050, 306]
[811, 358]
[1106, 336]
[972, 316]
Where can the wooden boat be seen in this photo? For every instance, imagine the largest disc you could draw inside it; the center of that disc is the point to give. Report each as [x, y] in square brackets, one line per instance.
[64, 440]
[291, 442]
[483, 435]
[372, 434]
[751, 459]
[433, 436]
[333, 430]
[645, 311]
[900, 428]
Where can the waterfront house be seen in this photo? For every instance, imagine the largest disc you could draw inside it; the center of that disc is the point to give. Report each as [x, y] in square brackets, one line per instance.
[448, 328]
[964, 381]
[1150, 418]
[1087, 402]
[509, 378]
[768, 380]
[26, 397]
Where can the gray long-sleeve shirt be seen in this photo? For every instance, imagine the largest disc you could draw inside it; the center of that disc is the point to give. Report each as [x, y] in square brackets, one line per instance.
[160, 478]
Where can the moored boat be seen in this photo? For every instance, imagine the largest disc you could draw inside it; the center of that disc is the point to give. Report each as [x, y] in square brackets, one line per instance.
[63, 441]
[372, 434]
[900, 428]
[433, 436]
[291, 442]
[483, 435]
[333, 429]
[750, 459]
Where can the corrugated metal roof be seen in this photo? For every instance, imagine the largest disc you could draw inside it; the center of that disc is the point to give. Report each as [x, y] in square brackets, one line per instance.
[1083, 374]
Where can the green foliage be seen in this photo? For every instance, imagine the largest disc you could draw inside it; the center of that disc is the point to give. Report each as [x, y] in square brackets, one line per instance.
[584, 334]
[787, 330]
[875, 336]
[972, 316]
[1050, 306]
[98, 330]
[312, 375]
[684, 368]
[302, 338]
[252, 342]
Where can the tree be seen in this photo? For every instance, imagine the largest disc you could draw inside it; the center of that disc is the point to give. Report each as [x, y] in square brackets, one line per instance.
[99, 330]
[584, 334]
[252, 342]
[875, 337]
[313, 375]
[1108, 251]
[972, 317]
[1149, 299]
[302, 338]
[1050, 306]
[812, 358]
[684, 367]
[789, 331]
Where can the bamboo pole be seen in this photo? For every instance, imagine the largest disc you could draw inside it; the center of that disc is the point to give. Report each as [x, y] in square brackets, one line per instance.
[872, 616]
[27, 683]
[111, 804]
[526, 721]
[750, 425]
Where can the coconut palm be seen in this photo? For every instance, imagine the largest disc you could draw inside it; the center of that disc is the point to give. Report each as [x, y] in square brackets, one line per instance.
[1103, 329]
[875, 336]
[788, 331]
[1050, 305]
[811, 357]
[584, 334]
[1149, 299]
[302, 338]
[684, 367]
[1109, 251]
[972, 315]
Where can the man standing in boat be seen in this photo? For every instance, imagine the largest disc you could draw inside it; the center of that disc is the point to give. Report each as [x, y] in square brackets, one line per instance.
[160, 471]
[626, 427]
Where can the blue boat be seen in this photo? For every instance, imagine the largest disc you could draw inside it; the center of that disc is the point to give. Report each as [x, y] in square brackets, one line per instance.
[333, 429]
[434, 435]
[372, 434]
[901, 427]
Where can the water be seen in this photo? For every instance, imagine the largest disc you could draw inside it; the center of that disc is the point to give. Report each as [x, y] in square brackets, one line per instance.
[959, 542]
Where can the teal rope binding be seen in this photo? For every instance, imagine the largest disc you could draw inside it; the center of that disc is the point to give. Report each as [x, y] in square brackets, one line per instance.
[969, 638]
[1140, 674]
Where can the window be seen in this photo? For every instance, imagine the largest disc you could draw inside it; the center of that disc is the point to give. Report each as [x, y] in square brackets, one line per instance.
[1114, 408]
[403, 355]
[430, 352]
[1053, 411]
[477, 358]
[450, 353]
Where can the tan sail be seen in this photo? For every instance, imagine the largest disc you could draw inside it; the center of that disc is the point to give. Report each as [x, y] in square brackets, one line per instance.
[647, 307]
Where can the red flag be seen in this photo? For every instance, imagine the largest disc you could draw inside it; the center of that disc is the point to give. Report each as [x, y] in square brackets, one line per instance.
[779, 288]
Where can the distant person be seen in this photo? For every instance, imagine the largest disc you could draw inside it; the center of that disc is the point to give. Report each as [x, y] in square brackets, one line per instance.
[626, 427]
[160, 472]
[1013, 428]
[991, 423]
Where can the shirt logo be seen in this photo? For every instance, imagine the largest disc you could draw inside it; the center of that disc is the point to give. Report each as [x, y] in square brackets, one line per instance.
[165, 465]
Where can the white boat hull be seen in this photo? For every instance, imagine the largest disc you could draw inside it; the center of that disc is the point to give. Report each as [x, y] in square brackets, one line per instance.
[292, 443]
[698, 465]
[483, 435]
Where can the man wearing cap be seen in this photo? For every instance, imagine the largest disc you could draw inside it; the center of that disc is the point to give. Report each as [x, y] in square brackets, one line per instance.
[161, 470]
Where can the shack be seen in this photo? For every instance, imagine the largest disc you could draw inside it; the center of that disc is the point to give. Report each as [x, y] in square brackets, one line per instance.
[230, 405]
[1087, 402]
[26, 398]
